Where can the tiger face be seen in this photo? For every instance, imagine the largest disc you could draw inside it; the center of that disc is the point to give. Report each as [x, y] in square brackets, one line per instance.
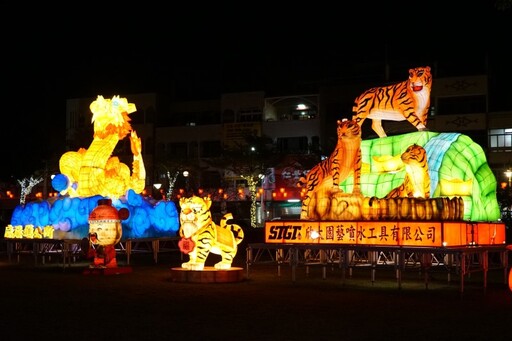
[415, 155]
[420, 77]
[348, 129]
[194, 214]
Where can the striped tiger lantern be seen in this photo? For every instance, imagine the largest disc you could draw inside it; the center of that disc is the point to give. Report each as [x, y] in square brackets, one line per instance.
[409, 99]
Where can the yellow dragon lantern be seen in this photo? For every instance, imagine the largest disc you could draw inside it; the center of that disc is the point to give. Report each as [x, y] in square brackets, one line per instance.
[94, 171]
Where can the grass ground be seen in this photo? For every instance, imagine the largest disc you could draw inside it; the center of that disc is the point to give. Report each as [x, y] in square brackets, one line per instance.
[52, 302]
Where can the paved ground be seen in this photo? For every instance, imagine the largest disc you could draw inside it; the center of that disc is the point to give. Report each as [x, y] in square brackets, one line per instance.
[49, 302]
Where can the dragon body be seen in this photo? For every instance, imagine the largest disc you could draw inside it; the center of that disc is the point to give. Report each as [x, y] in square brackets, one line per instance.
[94, 171]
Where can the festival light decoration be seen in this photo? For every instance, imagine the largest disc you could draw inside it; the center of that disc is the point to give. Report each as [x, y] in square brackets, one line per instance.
[26, 187]
[172, 181]
[457, 168]
[462, 190]
[200, 235]
[94, 171]
[92, 174]
[252, 183]
[105, 232]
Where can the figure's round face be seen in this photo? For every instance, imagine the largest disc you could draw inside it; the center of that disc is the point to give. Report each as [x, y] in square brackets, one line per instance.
[107, 233]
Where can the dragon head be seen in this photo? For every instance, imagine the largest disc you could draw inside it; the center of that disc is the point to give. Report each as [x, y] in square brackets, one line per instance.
[110, 116]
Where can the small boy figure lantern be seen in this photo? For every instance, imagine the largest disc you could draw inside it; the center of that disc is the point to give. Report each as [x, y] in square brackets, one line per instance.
[105, 231]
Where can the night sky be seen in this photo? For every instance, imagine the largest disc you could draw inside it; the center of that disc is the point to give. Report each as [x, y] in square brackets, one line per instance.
[197, 52]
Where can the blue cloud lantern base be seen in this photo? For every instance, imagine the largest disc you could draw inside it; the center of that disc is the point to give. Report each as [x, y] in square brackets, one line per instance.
[69, 216]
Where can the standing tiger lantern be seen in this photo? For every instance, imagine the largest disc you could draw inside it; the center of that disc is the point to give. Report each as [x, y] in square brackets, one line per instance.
[200, 235]
[323, 180]
[408, 100]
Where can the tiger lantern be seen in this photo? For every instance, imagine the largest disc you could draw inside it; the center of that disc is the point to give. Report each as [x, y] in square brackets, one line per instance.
[323, 180]
[200, 236]
[417, 179]
[408, 100]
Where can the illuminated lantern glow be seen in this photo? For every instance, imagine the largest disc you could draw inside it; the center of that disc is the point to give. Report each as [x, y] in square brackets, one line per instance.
[457, 168]
[68, 217]
[105, 232]
[509, 247]
[408, 100]
[451, 187]
[387, 163]
[323, 180]
[510, 279]
[89, 175]
[200, 236]
[9, 231]
[94, 170]
[462, 185]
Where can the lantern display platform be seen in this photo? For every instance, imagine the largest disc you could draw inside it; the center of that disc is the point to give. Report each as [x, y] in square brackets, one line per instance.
[108, 271]
[208, 275]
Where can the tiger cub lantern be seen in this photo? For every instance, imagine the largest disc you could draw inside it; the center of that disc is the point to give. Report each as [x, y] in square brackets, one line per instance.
[105, 231]
[200, 235]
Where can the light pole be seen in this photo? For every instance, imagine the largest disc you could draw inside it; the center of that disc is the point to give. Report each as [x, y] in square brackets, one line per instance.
[262, 199]
[157, 187]
[186, 174]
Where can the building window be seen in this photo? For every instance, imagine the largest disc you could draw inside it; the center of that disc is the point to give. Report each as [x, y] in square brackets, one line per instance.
[250, 115]
[501, 139]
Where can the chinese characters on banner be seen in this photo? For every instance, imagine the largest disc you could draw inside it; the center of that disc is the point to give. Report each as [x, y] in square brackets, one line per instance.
[389, 233]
